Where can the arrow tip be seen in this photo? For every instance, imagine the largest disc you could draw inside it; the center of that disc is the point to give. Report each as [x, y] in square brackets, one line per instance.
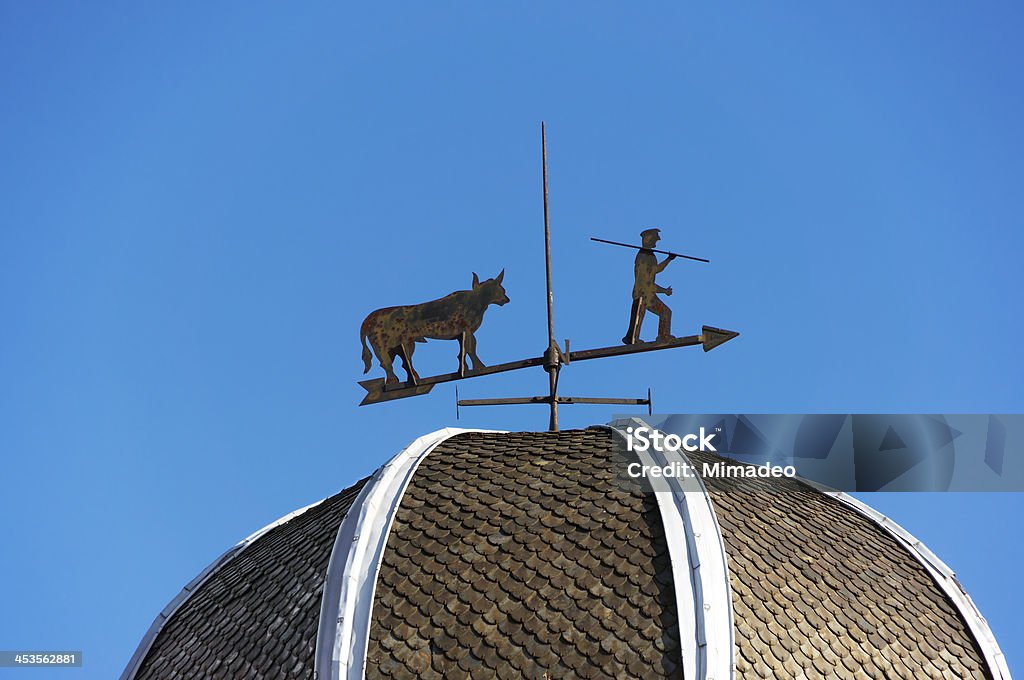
[712, 337]
[376, 391]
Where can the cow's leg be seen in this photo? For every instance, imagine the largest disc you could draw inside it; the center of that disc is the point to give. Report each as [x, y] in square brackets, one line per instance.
[405, 351]
[396, 354]
[386, 358]
[410, 349]
[470, 344]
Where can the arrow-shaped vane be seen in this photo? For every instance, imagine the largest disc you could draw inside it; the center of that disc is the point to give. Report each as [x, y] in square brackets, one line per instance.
[376, 391]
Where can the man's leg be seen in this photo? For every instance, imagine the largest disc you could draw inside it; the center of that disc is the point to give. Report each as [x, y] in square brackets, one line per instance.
[636, 318]
[656, 306]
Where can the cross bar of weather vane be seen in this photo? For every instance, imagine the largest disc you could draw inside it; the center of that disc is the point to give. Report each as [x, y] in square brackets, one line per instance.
[501, 401]
[377, 391]
[498, 401]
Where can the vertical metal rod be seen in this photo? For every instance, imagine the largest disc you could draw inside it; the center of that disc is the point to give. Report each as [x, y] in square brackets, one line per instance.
[552, 348]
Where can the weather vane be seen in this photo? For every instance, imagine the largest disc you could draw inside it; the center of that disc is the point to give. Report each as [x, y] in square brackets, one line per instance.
[392, 332]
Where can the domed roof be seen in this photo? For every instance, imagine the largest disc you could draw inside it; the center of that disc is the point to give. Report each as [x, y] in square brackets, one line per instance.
[474, 554]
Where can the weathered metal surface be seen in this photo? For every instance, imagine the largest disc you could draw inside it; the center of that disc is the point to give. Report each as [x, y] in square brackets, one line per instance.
[653, 250]
[377, 390]
[552, 364]
[712, 337]
[621, 350]
[393, 332]
[645, 290]
[501, 401]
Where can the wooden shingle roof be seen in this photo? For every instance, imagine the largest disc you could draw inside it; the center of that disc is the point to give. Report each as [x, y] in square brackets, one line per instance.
[528, 555]
[255, 616]
[518, 555]
[818, 586]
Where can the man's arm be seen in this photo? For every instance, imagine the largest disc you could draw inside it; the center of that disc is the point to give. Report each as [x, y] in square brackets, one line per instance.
[664, 263]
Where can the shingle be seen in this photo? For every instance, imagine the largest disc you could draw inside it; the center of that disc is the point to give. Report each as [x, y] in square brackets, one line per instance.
[522, 554]
[540, 548]
[820, 588]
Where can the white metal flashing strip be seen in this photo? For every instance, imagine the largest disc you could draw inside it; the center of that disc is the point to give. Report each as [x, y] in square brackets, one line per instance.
[942, 575]
[347, 605]
[688, 597]
[174, 605]
[700, 567]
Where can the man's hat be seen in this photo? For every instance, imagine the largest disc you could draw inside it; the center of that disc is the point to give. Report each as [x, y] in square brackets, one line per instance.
[650, 232]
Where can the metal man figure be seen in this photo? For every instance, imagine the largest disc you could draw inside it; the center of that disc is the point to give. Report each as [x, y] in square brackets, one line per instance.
[645, 290]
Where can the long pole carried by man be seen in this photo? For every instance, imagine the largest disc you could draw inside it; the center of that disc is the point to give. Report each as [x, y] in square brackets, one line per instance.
[653, 250]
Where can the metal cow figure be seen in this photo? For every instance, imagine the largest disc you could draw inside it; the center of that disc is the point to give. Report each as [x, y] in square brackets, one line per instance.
[393, 331]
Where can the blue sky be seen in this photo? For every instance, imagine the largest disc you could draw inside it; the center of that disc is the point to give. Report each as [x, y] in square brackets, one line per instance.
[201, 202]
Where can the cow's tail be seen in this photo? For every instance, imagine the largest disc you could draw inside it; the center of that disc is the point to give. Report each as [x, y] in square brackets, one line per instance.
[367, 356]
